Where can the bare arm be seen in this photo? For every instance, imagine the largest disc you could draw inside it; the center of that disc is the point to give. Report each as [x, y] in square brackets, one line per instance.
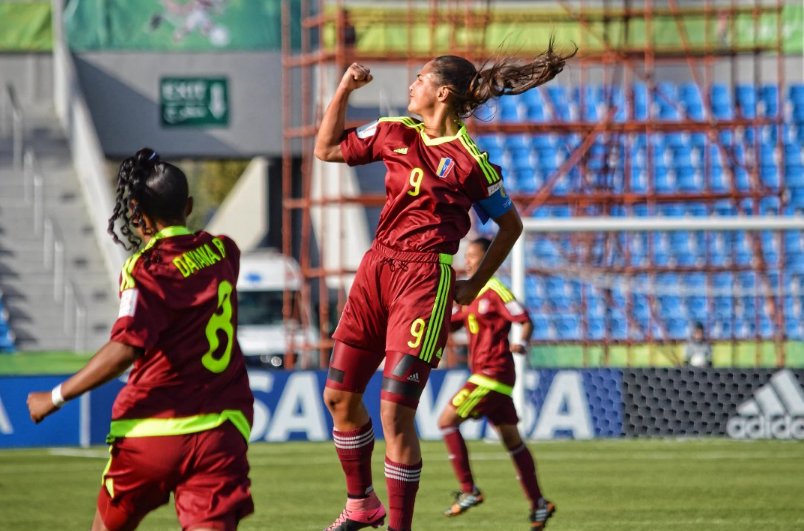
[330, 131]
[109, 362]
[510, 227]
[524, 338]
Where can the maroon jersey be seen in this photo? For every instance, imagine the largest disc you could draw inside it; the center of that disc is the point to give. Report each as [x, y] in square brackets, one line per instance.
[430, 184]
[488, 320]
[178, 303]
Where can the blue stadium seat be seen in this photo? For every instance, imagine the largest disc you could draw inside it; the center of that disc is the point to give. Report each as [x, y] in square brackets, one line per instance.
[793, 328]
[768, 104]
[541, 326]
[510, 111]
[596, 328]
[640, 99]
[557, 96]
[568, 327]
[746, 97]
[793, 241]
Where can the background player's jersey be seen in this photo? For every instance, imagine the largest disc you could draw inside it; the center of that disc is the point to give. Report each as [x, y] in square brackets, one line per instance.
[430, 184]
[488, 321]
[178, 303]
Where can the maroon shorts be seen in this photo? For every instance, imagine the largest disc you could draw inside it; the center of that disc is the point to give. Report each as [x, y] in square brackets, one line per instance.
[399, 302]
[207, 471]
[474, 401]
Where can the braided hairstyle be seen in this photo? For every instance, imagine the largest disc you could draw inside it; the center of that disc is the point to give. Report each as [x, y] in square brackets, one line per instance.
[471, 87]
[146, 185]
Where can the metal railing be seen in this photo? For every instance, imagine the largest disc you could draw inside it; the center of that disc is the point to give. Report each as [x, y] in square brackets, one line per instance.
[12, 112]
[64, 291]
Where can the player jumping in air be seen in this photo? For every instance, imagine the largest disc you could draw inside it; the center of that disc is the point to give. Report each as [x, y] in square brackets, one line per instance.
[488, 391]
[399, 304]
[181, 423]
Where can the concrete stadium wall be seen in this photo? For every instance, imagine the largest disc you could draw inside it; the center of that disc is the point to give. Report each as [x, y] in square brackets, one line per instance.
[122, 91]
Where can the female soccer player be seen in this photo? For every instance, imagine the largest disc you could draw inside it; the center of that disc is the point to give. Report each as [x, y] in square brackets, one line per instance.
[398, 306]
[487, 393]
[181, 423]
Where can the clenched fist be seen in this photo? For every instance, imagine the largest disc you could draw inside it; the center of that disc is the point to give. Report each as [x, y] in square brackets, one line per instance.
[355, 77]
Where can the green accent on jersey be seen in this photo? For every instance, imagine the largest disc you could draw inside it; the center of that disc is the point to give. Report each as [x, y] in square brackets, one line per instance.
[444, 258]
[127, 280]
[482, 158]
[419, 126]
[437, 316]
[108, 482]
[155, 427]
[220, 322]
[494, 385]
[499, 288]
[477, 394]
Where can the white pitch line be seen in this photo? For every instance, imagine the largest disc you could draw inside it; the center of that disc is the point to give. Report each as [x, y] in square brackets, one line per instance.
[79, 452]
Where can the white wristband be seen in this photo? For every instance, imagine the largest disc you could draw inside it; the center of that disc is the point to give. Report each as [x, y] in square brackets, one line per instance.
[56, 396]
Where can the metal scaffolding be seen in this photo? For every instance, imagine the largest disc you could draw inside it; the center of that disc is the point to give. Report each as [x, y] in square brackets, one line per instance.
[622, 45]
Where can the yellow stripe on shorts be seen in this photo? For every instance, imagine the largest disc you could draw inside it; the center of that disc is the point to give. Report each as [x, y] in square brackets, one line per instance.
[437, 315]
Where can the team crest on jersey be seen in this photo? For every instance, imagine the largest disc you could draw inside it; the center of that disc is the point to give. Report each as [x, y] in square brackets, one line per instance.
[444, 167]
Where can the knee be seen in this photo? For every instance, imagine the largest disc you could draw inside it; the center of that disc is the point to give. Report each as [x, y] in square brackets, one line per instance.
[338, 402]
[510, 438]
[448, 419]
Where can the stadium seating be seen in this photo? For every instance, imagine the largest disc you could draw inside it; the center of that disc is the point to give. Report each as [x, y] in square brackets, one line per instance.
[745, 159]
[7, 339]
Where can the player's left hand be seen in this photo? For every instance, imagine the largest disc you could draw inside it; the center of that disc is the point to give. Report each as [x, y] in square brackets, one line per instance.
[40, 405]
[465, 292]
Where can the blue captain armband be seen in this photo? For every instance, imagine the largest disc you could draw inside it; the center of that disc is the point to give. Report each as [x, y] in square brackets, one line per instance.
[494, 206]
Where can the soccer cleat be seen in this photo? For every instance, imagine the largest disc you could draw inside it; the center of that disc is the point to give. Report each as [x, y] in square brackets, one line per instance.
[360, 513]
[464, 501]
[539, 516]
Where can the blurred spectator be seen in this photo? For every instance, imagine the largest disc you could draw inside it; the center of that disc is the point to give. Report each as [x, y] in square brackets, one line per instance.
[698, 351]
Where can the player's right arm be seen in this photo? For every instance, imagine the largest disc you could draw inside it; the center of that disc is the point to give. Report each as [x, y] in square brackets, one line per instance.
[330, 132]
[457, 317]
[109, 362]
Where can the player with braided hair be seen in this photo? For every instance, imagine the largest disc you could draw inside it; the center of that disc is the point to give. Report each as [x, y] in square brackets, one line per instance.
[187, 398]
[398, 305]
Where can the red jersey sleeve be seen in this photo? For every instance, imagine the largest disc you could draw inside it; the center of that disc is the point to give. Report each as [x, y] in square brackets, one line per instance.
[457, 317]
[364, 144]
[484, 179]
[142, 317]
[512, 310]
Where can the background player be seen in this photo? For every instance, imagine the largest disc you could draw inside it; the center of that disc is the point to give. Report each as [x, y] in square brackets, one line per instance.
[181, 423]
[399, 302]
[488, 391]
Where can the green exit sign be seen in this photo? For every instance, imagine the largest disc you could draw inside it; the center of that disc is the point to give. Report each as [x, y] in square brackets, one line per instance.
[194, 101]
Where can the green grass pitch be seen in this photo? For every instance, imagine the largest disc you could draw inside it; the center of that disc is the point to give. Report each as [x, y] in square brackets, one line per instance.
[651, 485]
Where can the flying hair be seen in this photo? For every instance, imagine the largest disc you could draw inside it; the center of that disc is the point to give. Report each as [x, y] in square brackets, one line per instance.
[471, 87]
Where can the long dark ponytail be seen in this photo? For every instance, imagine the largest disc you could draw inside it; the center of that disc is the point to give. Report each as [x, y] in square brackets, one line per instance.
[146, 185]
[471, 87]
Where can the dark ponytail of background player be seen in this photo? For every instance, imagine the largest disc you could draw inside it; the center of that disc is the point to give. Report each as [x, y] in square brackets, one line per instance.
[147, 186]
[471, 87]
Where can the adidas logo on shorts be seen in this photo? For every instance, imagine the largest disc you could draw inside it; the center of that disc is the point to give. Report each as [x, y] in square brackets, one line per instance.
[775, 412]
[414, 377]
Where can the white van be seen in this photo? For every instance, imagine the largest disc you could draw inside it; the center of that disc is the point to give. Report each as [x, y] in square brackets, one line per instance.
[263, 334]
